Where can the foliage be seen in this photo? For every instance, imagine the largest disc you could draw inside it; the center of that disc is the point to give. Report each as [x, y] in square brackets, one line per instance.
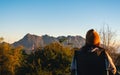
[54, 59]
[1, 39]
[9, 58]
[62, 39]
[108, 41]
[118, 60]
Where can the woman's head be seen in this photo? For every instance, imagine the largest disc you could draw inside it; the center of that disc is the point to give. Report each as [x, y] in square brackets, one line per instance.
[92, 38]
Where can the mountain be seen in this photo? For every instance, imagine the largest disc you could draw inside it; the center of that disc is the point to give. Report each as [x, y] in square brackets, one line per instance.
[30, 41]
[73, 41]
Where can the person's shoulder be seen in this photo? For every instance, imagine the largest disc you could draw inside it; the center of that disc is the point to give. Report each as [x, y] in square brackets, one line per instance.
[100, 48]
[101, 51]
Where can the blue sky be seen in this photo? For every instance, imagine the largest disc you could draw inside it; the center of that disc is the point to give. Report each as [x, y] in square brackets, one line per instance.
[56, 17]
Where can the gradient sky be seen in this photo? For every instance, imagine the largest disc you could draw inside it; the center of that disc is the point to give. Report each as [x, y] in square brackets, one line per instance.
[56, 17]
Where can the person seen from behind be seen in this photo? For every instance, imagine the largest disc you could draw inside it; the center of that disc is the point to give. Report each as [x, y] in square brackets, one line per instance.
[92, 59]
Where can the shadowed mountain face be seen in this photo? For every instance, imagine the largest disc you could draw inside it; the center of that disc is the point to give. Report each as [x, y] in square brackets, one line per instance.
[29, 41]
[73, 41]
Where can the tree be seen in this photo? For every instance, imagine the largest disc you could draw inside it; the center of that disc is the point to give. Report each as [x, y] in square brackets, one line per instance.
[4, 58]
[62, 39]
[57, 59]
[15, 58]
[9, 59]
[53, 59]
[108, 41]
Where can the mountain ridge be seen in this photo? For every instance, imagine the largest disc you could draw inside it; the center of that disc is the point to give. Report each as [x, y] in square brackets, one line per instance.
[31, 41]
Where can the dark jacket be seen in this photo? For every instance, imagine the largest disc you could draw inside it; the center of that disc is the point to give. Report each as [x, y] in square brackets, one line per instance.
[92, 60]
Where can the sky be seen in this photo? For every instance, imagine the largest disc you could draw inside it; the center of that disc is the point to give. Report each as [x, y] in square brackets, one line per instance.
[57, 17]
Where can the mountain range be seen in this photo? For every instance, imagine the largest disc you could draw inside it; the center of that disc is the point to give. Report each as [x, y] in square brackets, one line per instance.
[31, 41]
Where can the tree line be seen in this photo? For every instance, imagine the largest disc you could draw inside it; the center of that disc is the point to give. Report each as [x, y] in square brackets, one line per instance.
[53, 59]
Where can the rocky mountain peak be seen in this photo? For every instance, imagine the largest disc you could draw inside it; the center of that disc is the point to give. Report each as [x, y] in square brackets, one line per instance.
[30, 40]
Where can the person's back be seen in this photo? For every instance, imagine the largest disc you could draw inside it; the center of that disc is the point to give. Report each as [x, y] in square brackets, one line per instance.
[90, 62]
[91, 59]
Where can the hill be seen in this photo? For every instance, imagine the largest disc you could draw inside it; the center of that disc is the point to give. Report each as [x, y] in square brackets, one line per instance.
[30, 41]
